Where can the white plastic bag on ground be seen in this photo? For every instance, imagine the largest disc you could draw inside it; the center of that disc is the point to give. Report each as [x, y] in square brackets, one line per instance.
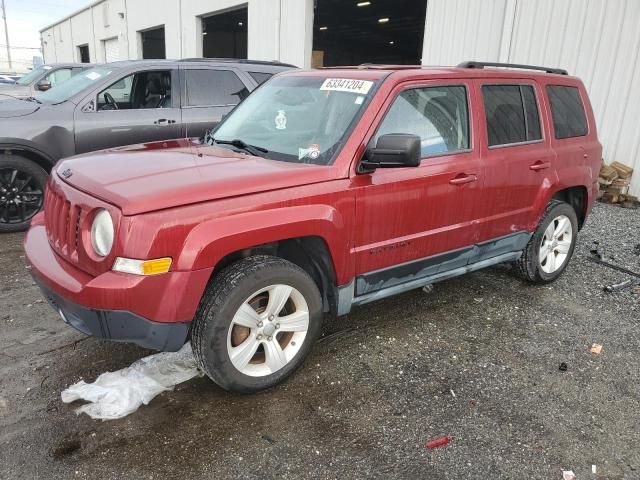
[117, 394]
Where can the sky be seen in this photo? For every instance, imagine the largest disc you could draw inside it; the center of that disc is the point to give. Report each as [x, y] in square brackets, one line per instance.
[25, 18]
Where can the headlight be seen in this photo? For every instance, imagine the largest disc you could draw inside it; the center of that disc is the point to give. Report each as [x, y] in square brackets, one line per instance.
[102, 233]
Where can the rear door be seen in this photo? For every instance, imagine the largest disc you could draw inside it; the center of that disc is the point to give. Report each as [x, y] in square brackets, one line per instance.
[139, 107]
[207, 95]
[516, 153]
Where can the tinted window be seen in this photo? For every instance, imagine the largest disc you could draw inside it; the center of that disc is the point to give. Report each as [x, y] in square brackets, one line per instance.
[511, 113]
[214, 87]
[261, 77]
[438, 115]
[567, 110]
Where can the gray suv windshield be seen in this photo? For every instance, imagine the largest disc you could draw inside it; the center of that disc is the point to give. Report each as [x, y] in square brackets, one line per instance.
[74, 85]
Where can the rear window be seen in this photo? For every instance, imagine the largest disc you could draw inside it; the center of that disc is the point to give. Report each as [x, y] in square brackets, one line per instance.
[260, 77]
[511, 113]
[214, 88]
[567, 110]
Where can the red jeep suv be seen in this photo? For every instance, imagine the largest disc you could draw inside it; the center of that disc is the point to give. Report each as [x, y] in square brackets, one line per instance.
[323, 190]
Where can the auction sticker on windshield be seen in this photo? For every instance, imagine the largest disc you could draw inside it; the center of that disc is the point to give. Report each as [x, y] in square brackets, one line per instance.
[360, 87]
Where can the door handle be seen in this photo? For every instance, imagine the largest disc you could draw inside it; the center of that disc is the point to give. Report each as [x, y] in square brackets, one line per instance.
[463, 178]
[160, 121]
[539, 166]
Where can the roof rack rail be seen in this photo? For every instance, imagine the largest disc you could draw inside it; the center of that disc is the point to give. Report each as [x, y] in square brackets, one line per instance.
[557, 71]
[239, 60]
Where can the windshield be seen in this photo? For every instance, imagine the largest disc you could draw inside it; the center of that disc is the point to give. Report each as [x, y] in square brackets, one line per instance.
[296, 118]
[67, 89]
[33, 75]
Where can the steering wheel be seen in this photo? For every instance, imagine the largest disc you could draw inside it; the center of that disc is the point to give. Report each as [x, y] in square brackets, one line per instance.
[110, 100]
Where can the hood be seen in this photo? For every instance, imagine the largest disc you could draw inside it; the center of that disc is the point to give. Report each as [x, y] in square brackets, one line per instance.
[8, 90]
[155, 176]
[12, 107]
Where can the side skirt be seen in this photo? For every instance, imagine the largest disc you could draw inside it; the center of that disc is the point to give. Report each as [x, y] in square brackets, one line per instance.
[427, 271]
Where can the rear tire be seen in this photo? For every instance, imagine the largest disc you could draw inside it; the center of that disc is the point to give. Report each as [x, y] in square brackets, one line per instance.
[256, 323]
[551, 246]
[22, 184]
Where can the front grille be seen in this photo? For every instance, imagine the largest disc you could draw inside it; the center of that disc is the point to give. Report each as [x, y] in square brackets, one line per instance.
[63, 223]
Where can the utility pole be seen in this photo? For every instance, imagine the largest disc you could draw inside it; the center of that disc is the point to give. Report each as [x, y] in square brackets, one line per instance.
[6, 35]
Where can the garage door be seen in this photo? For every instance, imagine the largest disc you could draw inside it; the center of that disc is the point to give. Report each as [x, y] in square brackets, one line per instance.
[111, 50]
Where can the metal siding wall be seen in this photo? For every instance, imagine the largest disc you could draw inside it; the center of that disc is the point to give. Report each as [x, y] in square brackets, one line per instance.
[596, 40]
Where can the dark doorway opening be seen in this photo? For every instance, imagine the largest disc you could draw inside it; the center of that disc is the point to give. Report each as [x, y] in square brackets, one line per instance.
[376, 31]
[225, 35]
[153, 43]
[83, 52]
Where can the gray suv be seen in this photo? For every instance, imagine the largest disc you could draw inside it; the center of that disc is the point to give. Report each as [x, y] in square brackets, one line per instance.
[41, 79]
[112, 105]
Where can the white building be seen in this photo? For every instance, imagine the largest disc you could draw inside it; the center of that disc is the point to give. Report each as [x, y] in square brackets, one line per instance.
[597, 40]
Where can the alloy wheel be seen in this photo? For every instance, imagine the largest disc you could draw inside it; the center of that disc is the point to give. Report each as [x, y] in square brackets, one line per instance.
[21, 196]
[268, 330]
[556, 244]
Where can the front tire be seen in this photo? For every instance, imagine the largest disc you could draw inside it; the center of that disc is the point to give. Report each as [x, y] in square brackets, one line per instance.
[22, 185]
[256, 323]
[551, 246]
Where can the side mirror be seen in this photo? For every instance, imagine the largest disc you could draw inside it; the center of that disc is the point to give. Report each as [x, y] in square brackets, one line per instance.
[43, 85]
[394, 150]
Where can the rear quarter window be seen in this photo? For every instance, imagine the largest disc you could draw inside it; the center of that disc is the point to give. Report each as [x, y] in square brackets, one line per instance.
[567, 110]
[260, 77]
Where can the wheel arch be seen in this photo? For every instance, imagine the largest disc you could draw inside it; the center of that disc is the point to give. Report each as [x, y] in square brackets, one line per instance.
[578, 197]
[29, 152]
[314, 237]
[311, 253]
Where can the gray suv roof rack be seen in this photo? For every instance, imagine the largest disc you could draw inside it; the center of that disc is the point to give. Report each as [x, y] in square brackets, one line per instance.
[239, 60]
[557, 71]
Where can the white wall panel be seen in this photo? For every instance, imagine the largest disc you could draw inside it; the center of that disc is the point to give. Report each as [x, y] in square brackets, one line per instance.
[278, 29]
[596, 40]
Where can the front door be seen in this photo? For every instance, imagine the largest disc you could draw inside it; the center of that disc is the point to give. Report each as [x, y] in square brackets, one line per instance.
[415, 222]
[138, 108]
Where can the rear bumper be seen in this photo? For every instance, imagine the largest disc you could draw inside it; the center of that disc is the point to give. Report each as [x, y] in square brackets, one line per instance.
[153, 311]
[119, 326]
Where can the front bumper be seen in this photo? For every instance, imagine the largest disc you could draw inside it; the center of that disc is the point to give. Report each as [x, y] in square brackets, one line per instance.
[153, 311]
[119, 326]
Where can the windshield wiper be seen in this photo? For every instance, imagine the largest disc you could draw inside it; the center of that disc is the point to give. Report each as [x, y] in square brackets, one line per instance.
[33, 99]
[252, 149]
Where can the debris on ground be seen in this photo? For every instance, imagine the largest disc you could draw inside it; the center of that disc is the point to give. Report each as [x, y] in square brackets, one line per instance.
[597, 257]
[596, 348]
[614, 183]
[568, 475]
[563, 367]
[117, 394]
[617, 286]
[437, 442]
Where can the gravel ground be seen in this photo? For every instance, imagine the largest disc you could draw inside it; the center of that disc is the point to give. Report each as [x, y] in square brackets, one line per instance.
[476, 360]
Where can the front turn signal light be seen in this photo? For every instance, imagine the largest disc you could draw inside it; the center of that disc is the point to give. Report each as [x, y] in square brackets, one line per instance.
[142, 267]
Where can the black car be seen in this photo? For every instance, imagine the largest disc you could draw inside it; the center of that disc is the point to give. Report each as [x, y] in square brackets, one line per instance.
[111, 105]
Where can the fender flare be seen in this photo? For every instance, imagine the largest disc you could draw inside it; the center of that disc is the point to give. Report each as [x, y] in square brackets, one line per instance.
[16, 144]
[211, 241]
